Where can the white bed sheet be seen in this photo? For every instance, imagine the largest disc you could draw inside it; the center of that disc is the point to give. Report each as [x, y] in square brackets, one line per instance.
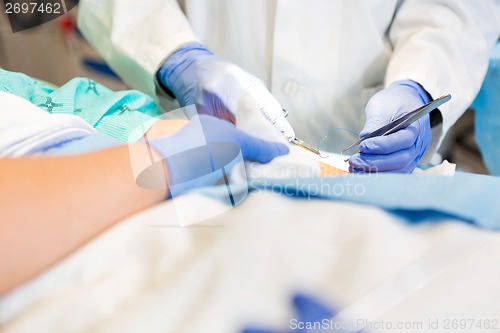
[243, 266]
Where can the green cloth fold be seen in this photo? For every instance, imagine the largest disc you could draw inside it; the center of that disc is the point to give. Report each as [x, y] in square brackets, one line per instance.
[115, 114]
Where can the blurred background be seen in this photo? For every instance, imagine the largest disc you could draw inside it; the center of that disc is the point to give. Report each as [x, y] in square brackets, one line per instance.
[54, 52]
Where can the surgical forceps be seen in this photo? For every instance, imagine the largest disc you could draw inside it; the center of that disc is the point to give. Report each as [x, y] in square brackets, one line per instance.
[303, 144]
[403, 121]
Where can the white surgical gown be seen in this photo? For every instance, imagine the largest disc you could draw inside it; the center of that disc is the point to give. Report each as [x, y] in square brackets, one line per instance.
[322, 59]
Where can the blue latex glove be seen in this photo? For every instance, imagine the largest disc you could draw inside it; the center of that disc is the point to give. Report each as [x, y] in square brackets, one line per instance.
[206, 149]
[196, 76]
[400, 151]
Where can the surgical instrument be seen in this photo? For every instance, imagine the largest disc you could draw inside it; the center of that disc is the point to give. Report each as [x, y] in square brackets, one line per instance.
[307, 146]
[303, 144]
[403, 121]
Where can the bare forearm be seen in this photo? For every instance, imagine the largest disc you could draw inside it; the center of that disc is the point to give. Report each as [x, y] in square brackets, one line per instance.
[51, 206]
[166, 127]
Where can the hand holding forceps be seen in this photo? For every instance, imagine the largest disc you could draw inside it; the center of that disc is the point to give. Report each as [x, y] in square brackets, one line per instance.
[403, 121]
[392, 127]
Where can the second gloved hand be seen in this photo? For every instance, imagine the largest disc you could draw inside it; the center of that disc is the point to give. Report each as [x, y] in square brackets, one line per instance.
[197, 154]
[196, 76]
[400, 151]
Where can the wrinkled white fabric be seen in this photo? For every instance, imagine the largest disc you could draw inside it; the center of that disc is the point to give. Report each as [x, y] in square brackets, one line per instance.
[25, 129]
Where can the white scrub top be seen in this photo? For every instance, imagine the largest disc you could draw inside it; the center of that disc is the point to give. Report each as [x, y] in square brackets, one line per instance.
[322, 59]
[25, 129]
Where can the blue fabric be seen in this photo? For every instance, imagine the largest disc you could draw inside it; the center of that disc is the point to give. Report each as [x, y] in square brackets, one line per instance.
[472, 198]
[90, 143]
[487, 106]
[308, 311]
[311, 310]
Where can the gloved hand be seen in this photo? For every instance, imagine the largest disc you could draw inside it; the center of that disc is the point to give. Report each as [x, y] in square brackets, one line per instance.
[205, 145]
[196, 76]
[402, 150]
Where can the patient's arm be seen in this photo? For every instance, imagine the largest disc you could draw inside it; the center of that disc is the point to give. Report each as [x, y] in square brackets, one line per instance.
[49, 206]
[166, 127]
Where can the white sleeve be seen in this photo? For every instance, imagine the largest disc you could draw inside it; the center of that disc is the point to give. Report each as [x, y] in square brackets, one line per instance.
[135, 37]
[444, 45]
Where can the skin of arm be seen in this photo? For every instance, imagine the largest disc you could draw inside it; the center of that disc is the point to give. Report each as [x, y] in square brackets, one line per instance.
[166, 127]
[51, 206]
